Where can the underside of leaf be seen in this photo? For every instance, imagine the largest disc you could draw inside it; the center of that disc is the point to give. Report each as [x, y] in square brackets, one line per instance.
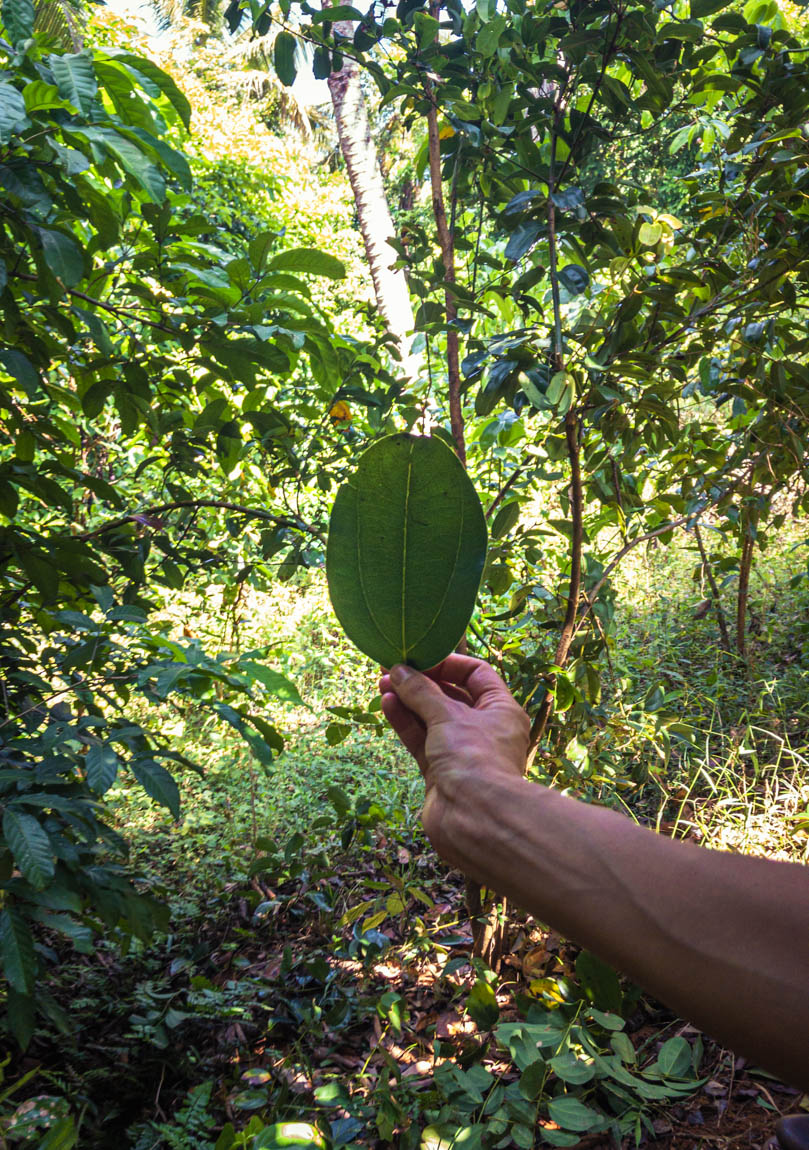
[407, 544]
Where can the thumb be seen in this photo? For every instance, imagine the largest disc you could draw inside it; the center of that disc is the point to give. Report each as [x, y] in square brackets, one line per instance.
[420, 694]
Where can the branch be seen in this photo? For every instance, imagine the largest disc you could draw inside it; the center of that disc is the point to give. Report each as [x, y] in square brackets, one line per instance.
[118, 310]
[222, 504]
[574, 589]
[447, 245]
[608, 570]
[504, 490]
[553, 271]
[706, 566]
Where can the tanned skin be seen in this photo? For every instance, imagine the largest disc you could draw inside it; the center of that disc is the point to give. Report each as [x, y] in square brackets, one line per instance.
[720, 938]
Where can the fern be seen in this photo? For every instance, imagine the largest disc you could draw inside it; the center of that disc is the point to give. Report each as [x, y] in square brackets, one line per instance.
[190, 1130]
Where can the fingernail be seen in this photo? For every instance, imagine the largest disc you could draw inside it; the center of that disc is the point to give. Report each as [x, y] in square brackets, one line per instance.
[399, 673]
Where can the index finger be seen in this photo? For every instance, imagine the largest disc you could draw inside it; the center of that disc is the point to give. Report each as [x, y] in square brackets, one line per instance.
[478, 678]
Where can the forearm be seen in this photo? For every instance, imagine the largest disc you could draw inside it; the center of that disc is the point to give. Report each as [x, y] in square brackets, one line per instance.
[722, 939]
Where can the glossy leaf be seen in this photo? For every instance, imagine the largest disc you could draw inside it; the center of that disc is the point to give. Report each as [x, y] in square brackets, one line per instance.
[31, 847]
[18, 19]
[102, 768]
[75, 79]
[62, 255]
[309, 260]
[481, 1005]
[17, 950]
[571, 1114]
[158, 784]
[407, 544]
[575, 278]
[12, 112]
[284, 58]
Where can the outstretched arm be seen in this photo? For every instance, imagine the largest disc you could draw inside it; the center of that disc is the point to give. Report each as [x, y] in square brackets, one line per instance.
[720, 938]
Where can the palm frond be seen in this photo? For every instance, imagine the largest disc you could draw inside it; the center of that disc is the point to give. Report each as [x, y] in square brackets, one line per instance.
[254, 51]
[61, 21]
[260, 84]
[172, 14]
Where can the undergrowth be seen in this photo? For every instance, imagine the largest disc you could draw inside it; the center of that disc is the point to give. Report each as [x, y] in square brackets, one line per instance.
[316, 970]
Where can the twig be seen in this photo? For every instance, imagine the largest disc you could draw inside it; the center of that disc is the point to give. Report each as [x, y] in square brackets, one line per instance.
[745, 562]
[447, 245]
[504, 490]
[574, 588]
[706, 567]
[221, 504]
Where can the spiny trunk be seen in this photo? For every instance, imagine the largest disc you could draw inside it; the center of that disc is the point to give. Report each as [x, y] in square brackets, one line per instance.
[376, 225]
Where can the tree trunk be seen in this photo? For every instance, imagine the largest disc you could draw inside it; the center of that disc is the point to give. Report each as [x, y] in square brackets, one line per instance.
[745, 564]
[365, 177]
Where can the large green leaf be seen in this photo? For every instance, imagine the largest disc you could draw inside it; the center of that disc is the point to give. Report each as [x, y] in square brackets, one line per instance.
[158, 784]
[102, 767]
[407, 544]
[129, 155]
[284, 58]
[150, 72]
[17, 951]
[18, 19]
[311, 260]
[12, 112]
[289, 1135]
[62, 255]
[30, 846]
[75, 79]
[276, 683]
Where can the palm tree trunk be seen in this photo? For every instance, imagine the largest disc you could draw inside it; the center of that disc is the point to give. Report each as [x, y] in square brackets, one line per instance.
[365, 177]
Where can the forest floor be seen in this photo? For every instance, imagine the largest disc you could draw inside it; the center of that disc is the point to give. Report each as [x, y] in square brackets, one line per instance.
[317, 967]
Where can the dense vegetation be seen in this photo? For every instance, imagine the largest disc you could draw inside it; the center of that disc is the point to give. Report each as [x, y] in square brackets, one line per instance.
[218, 915]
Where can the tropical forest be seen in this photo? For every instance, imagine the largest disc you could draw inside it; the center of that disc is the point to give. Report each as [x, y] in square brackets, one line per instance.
[417, 332]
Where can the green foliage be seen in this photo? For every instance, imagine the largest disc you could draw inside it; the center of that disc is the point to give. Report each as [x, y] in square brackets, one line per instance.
[407, 544]
[178, 406]
[675, 345]
[148, 374]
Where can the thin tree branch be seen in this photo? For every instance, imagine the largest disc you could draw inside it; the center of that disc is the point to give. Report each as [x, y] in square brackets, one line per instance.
[504, 490]
[221, 504]
[447, 246]
[717, 602]
[572, 431]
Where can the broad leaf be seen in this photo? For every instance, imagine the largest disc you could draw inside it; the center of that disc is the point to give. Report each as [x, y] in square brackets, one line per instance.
[523, 238]
[18, 365]
[571, 1114]
[130, 157]
[289, 1135]
[284, 58]
[158, 784]
[407, 544]
[575, 278]
[599, 981]
[18, 19]
[310, 260]
[276, 683]
[481, 1005]
[63, 256]
[17, 951]
[12, 112]
[75, 79]
[30, 846]
[102, 767]
[162, 81]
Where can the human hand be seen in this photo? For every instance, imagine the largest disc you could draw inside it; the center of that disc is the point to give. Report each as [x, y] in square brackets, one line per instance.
[463, 728]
